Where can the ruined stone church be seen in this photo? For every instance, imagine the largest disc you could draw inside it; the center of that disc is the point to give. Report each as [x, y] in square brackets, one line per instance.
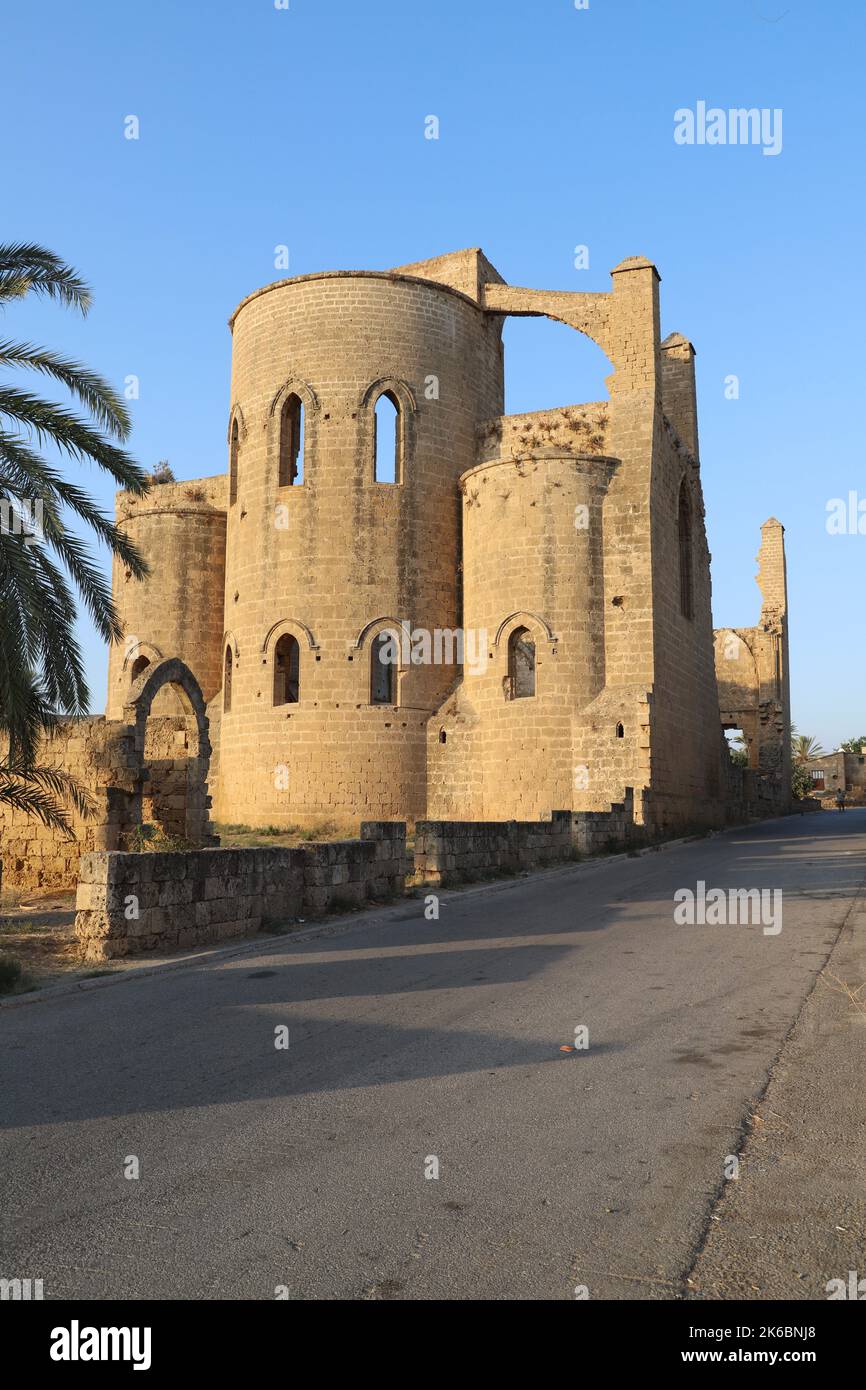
[400, 602]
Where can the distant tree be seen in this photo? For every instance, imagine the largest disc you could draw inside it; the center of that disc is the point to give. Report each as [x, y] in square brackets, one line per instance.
[804, 748]
[853, 745]
[738, 749]
[801, 782]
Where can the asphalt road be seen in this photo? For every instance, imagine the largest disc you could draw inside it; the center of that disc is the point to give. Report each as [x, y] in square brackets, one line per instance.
[304, 1167]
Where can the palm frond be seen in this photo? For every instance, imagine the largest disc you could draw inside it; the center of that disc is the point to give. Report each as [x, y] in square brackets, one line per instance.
[26, 267]
[92, 390]
[37, 790]
[72, 435]
[24, 474]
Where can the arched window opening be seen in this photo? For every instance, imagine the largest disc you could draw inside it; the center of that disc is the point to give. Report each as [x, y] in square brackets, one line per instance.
[687, 599]
[287, 670]
[140, 664]
[521, 664]
[383, 670]
[620, 731]
[443, 737]
[233, 464]
[227, 680]
[387, 439]
[292, 441]
[548, 365]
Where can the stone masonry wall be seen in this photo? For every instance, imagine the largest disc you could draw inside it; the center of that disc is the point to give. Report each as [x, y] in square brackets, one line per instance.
[598, 832]
[453, 851]
[155, 766]
[752, 671]
[166, 755]
[578, 429]
[180, 528]
[456, 851]
[129, 904]
[684, 747]
[526, 565]
[100, 754]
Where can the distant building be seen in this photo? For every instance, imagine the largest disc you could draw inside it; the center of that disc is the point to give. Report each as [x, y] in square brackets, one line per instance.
[839, 771]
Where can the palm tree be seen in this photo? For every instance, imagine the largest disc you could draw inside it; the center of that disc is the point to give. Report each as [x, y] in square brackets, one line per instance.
[42, 565]
[804, 748]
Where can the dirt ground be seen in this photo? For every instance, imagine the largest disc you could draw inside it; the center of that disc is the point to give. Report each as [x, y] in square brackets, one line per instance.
[36, 928]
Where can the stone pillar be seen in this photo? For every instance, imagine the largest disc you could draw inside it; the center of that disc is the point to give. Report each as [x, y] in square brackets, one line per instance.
[679, 397]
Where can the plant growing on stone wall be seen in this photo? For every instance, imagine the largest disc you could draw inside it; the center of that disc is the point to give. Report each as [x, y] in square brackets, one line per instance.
[149, 838]
[43, 563]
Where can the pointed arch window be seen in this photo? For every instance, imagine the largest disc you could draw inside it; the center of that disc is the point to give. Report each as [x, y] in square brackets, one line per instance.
[383, 670]
[521, 664]
[388, 430]
[287, 670]
[228, 666]
[292, 441]
[139, 665]
[686, 553]
[234, 451]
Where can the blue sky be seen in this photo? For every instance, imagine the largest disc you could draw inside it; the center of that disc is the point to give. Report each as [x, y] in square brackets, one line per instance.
[305, 127]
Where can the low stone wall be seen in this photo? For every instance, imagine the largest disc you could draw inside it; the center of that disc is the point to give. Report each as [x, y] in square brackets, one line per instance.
[129, 904]
[597, 832]
[456, 851]
[451, 851]
[346, 873]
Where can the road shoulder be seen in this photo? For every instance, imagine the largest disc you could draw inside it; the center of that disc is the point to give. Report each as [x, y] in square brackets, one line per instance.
[796, 1216]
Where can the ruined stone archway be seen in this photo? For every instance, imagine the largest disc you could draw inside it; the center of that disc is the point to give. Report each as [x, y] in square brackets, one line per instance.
[191, 791]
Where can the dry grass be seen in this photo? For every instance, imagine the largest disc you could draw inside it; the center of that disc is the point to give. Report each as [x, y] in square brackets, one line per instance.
[284, 836]
[854, 996]
[36, 933]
